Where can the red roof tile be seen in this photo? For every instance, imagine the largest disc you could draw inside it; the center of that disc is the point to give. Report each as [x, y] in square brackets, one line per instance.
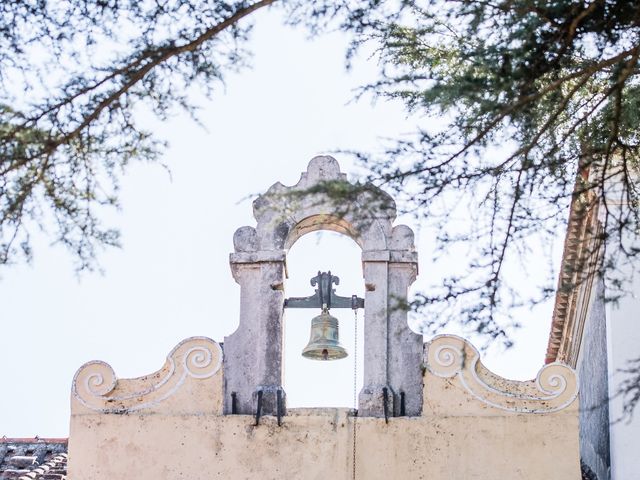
[33, 458]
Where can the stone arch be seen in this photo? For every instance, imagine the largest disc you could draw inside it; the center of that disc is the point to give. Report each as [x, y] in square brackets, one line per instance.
[283, 213]
[253, 353]
[321, 222]
[310, 383]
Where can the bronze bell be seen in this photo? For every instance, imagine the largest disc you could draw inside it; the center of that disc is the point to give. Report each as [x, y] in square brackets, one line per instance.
[324, 343]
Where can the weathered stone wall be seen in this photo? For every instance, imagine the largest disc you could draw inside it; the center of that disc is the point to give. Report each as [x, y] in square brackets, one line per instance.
[319, 445]
[594, 391]
[475, 425]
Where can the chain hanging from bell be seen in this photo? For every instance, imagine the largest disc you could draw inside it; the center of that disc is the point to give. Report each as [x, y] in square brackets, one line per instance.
[324, 341]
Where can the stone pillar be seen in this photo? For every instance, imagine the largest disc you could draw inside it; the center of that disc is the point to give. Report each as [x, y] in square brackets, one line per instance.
[253, 353]
[393, 353]
[405, 346]
[376, 323]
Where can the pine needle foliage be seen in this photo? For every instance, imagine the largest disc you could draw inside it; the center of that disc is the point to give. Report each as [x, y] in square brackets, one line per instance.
[523, 106]
[84, 68]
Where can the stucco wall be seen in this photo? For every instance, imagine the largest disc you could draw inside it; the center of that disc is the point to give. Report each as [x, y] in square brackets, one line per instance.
[623, 335]
[319, 445]
[475, 425]
[594, 388]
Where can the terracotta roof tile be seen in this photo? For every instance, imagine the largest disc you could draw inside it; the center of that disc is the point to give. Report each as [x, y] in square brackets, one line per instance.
[580, 255]
[33, 458]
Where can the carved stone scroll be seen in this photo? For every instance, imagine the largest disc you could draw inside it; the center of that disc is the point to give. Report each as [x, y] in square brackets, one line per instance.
[554, 388]
[97, 388]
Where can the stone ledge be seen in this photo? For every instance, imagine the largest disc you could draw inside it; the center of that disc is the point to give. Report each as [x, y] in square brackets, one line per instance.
[262, 256]
[391, 256]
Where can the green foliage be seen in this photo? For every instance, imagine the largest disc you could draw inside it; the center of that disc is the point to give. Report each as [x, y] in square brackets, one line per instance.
[524, 106]
[518, 100]
[84, 67]
[73, 75]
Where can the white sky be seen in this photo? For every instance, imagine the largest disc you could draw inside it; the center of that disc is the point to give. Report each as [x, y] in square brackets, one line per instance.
[171, 280]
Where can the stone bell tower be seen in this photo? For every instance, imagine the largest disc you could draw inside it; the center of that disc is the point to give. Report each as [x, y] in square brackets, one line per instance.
[392, 352]
[199, 415]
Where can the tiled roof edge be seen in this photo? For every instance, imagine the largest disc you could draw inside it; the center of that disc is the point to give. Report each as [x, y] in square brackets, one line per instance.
[583, 218]
[33, 440]
[59, 461]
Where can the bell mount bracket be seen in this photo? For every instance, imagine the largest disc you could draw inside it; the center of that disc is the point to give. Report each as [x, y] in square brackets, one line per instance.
[325, 296]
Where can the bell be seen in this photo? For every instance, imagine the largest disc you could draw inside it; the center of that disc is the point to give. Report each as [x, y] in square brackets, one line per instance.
[323, 341]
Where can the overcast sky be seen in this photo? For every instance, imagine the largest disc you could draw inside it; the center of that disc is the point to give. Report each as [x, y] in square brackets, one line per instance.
[171, 279]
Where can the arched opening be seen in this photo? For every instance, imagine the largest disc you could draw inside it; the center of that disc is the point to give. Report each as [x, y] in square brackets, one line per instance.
[312, 383]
